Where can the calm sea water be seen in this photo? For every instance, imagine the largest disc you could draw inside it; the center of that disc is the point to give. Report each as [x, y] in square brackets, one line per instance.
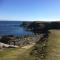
[12, 28]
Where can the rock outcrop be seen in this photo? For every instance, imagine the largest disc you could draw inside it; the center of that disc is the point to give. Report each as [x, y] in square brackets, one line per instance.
[3, 45]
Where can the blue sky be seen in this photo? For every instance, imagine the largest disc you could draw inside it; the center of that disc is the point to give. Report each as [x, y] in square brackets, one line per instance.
[43, 10]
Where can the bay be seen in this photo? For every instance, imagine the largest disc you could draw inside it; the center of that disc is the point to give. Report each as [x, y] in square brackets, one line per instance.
[12, 28]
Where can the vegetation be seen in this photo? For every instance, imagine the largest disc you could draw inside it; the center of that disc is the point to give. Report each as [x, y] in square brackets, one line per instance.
[16, 54]
[53, 49]
[47, 47]
[4, 52]
[54, 45]
[40, 49]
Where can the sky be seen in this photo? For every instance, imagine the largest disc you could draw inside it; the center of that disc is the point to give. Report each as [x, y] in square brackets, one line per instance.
[33, 10]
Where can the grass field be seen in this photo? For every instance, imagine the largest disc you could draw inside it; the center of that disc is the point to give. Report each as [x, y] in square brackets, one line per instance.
[24, 53]
[54, 45]
[16, 54]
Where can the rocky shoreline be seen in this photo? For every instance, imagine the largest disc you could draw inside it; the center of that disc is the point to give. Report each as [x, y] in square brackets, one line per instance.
[14, 41]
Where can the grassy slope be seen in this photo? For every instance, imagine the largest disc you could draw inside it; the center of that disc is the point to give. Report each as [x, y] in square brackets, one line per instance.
[23, 54]
[54, 45]
[16, 54]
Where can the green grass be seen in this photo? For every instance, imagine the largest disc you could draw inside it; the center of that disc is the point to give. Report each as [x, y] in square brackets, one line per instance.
[24, 54]
[4, 52]
[54, 45]
[16, 54]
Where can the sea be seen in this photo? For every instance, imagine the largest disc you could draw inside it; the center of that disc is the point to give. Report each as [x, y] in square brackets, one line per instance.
[12, 28]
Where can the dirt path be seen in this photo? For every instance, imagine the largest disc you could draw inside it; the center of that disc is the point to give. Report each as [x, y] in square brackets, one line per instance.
[54, 45]
[28, 46]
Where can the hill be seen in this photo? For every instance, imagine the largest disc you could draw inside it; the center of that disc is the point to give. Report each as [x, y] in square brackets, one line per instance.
[54, 45]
